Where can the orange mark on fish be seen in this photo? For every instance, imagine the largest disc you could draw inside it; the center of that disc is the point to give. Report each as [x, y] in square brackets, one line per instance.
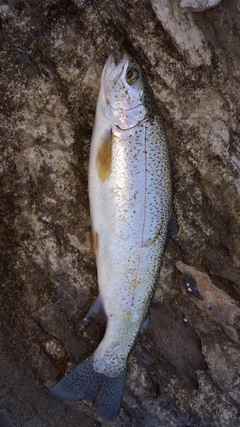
[95, 243]
[104, 156]
[129, 315]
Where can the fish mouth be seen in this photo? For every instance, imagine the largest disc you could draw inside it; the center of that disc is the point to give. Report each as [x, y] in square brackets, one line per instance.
[112, 71]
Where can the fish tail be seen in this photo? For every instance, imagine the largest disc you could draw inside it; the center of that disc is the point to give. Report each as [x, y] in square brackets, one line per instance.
[84, 383]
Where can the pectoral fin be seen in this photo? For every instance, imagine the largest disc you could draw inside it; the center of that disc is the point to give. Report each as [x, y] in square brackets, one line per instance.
[104, 155]
[145, 324]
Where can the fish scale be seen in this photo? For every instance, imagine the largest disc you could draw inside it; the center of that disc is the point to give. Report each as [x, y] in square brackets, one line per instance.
[130, 204]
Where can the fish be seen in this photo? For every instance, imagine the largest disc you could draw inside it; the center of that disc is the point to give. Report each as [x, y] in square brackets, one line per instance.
[130, 194]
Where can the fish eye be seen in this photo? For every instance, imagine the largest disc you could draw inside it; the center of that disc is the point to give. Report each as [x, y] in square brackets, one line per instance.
[132, 75]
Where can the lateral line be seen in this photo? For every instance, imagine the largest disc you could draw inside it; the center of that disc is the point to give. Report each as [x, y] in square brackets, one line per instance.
[144, 217]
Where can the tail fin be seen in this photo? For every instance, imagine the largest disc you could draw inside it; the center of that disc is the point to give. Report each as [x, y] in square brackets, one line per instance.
[83, 383]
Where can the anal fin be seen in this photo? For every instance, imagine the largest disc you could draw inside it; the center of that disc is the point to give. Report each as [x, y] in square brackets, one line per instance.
[96, 313]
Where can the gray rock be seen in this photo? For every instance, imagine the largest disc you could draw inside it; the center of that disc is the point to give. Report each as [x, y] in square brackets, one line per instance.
[199, 5]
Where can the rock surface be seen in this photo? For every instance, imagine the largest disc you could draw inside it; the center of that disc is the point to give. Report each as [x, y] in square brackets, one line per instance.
[51, 56]
[199, 5]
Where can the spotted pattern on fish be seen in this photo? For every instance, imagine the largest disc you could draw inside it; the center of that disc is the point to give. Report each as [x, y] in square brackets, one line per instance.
[130, 203]
[145, 155]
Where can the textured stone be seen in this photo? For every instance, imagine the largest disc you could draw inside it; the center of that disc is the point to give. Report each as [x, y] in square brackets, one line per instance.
[216, 303]
[186, 35]
[199, 5]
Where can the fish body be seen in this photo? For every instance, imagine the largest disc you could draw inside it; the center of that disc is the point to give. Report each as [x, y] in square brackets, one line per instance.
[130, 204]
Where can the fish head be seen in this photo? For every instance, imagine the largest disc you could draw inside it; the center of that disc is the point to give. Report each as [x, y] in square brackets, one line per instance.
[122, 92]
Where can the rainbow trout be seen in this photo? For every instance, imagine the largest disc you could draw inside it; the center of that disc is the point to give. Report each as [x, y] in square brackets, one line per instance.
[130, 203]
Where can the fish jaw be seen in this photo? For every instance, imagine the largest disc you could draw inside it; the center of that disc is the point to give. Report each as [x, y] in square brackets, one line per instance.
[108, 69]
